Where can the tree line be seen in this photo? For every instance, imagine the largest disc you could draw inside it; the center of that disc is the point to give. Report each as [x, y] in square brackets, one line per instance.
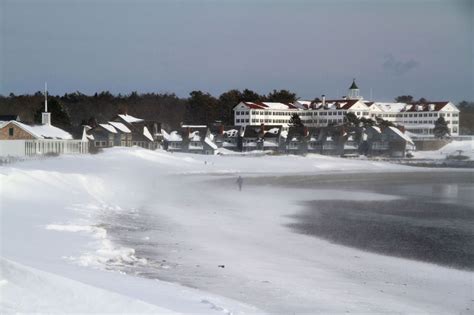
[74, 109]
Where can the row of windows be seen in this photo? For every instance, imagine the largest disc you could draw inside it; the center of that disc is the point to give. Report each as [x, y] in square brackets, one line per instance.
[285, 121]
[415, 115]
[454, 122]
[242, 120]
[329, 113]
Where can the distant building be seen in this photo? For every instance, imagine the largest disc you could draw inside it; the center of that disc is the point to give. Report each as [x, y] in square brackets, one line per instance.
[126, 131]
[20, 139]
[190, 138]
[417, 118]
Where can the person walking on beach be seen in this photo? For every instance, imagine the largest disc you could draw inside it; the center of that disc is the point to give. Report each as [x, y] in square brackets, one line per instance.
[240, 181]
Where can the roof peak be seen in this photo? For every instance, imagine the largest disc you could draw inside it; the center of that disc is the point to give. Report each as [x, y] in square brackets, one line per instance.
[353, 85]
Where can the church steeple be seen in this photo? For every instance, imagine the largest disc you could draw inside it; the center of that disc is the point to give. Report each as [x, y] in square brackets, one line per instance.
[45, 116]
[354, 91]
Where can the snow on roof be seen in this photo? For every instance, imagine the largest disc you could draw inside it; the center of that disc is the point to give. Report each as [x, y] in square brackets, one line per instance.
[210, 143]
[231, 132]
[269, 105]
[130, 119]
[390, 107]
[44, 131]
[147, 133]
[284, 133]
[376, 129]
[108, 127]
[90, 137]
[276, 105]
[174, 136]
[401, 134]
[334, 104]
[120, 126]
[194, 126]
[194, 136]
[273, 130]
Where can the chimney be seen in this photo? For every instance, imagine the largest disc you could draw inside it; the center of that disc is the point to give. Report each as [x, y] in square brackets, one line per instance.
[432, 107]
[324, 99]
[306, 131]
[344, 97]
[45, 116]
[221, 130]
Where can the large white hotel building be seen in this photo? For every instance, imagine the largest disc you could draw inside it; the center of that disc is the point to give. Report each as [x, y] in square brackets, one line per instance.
[417, 118]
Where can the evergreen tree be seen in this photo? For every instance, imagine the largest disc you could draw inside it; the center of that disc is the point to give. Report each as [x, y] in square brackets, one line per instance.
[59, 116]
[227, 101]
[282, 96]
[351, 120]
[251, 96]
[201, 108]
[404, 99]
[295, 121]
[441, 129]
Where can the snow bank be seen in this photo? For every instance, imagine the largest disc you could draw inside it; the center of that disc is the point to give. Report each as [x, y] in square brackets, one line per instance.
[27, 290]
[76, 204]
[452, 148]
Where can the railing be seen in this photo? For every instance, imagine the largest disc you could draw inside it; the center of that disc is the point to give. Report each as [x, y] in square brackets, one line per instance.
[55, 147]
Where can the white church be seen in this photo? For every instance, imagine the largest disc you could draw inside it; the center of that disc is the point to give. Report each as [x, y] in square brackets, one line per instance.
[18, 139]
[417, 118]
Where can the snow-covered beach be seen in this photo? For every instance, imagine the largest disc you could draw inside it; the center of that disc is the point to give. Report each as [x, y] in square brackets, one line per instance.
[95, 233]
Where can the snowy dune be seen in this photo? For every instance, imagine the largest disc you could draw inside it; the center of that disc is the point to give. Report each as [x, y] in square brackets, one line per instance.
[63, 223]
[453, 148]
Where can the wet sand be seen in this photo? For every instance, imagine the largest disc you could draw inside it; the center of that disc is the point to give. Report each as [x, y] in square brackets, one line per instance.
[432, 220]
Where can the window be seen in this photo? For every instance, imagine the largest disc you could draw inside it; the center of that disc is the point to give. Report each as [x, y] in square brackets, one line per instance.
[10, 132]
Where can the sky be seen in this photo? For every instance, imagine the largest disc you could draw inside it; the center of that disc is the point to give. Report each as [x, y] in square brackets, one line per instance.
[422, 48]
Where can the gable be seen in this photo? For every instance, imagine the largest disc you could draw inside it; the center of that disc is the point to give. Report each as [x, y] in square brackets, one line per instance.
[449, 107]
[241, 106]
[19, 133]
[358, 106]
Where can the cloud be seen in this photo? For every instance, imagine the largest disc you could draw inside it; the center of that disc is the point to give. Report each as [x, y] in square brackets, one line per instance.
[398, 67]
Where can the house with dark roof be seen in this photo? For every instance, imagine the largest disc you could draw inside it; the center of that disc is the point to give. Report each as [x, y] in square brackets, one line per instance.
[297, 140]
[191, 139]
[228, 137]
[126, 131]
[262, 138]
[143, 133]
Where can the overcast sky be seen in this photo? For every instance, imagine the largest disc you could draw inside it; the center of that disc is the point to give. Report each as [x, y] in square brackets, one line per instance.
[422, 48]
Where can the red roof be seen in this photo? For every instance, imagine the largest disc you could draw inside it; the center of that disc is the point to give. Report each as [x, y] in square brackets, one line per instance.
[348, 103]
